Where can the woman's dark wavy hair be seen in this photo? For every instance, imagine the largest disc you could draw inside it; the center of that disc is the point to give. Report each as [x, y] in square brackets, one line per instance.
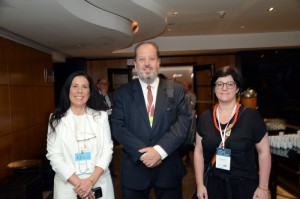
[64, 100]
[225, 71]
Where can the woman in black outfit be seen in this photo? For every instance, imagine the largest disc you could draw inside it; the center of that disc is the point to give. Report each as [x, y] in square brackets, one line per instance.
[243, 162]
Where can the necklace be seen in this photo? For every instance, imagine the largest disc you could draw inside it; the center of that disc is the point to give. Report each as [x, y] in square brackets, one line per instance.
[83, 157]
[82, 149]
[234, 120]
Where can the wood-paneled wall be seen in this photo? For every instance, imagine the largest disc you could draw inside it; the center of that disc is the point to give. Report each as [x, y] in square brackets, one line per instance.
[98, 68]
[26, 101]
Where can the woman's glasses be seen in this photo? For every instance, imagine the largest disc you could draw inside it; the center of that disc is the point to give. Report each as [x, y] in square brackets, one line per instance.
[229, 85]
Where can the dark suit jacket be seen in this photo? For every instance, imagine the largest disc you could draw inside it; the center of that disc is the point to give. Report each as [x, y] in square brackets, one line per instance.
[110, 96]
[99, 102]
[131, 128]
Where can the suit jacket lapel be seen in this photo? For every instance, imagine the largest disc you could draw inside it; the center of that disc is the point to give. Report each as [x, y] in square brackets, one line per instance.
[161, 101]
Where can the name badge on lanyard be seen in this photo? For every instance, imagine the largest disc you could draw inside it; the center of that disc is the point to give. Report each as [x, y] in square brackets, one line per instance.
[223, 157]
[83, 161]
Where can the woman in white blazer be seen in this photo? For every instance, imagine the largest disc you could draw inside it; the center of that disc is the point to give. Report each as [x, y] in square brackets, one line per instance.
[79, 144]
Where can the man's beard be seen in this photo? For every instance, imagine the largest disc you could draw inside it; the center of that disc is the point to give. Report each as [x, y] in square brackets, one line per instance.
[148, 80]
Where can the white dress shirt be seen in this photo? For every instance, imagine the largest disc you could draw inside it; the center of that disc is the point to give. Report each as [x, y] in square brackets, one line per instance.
[154, 88]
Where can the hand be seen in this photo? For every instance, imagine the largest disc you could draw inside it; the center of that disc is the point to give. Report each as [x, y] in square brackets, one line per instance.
[91, 195]
[151, 157]
[202, 192]
[84, 188]
[261, 194]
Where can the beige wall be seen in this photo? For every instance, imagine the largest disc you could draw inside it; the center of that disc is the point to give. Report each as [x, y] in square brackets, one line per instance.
[25, 103]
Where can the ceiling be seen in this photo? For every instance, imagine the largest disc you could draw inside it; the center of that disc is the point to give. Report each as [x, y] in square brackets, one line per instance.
[99, 29]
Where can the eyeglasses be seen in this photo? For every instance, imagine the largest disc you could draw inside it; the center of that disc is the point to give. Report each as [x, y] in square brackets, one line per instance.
[229, 85]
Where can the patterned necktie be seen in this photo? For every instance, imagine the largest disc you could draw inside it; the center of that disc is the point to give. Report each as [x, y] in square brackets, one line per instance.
[150, 107]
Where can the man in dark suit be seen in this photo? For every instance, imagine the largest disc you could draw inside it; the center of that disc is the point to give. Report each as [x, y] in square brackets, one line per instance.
[150, 156]
[106, 98]
[102, 86]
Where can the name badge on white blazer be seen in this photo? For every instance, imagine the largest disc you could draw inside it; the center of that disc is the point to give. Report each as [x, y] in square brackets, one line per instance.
[83, 161]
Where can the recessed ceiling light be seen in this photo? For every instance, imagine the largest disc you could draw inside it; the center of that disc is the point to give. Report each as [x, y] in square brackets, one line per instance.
[222, 13]
[271, 9]
[175, 13]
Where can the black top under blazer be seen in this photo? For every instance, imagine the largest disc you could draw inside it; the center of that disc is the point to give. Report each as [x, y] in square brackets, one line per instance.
[131, 128]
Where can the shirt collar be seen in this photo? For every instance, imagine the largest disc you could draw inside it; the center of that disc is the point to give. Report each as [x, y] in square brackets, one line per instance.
[153, 85]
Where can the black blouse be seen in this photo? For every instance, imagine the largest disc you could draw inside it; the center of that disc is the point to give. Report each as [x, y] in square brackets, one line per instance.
[248, 130]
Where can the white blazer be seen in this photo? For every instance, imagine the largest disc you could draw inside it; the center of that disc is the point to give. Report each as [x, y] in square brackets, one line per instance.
[62, 146]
